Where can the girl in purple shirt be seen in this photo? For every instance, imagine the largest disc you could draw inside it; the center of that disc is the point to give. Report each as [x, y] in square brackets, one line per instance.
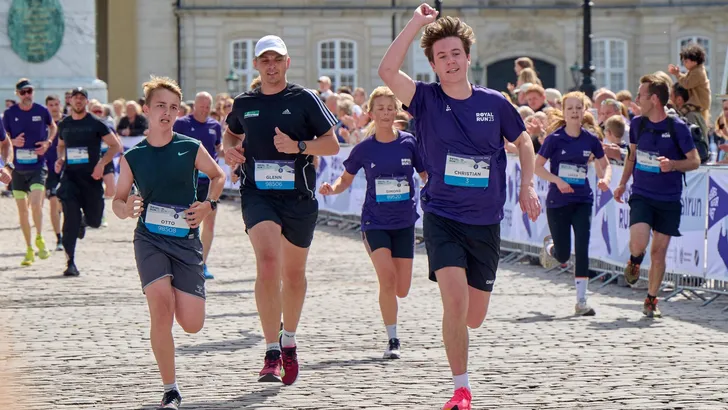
[389, 158]
[569, 148]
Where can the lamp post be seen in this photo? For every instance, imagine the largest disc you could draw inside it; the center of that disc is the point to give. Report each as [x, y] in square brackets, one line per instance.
[575, 75]
[587, 81]
[232, 81]
[477, 72]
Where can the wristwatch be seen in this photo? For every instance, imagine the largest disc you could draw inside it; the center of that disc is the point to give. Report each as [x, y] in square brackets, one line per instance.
[213, 203]
[10, 166]
[301, 147]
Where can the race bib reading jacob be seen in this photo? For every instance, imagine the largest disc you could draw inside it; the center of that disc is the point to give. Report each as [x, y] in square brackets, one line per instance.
[392, 189]
[26, 156]
[77, 155]
[647, 161]
[275, 174]
[166, 220]
[572, 173]
[467, 171]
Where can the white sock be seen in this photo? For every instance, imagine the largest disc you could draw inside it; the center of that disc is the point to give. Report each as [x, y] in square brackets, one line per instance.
[581, 288]
[273, 346]
[461, 381]
[392, 331]
[288, 339]
[170, 387]
[550, 250]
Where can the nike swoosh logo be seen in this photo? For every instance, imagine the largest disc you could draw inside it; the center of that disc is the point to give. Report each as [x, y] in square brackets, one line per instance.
[179, 154]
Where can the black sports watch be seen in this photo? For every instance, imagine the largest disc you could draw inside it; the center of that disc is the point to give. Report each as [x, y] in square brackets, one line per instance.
[301, 147]
[213, 203]
[10, 166]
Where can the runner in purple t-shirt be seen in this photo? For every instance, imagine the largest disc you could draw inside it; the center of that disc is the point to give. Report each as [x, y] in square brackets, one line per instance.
[569, 148]
[31, 131]
[389, 158]
[460, 133]
[200, 126]
[53, 103]
[5, 148]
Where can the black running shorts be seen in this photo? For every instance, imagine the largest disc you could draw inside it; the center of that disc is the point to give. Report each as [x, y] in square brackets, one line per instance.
[401, 242]
[296, 214]
[661, 216]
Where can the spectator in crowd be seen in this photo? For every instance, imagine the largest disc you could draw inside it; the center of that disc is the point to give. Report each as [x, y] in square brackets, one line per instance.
[680, 97]
[344, 111]
[221, 97]
[401, 121]
[536, 125]
[625, 97]
[134, 123]
[536, 98]
[695, 80]
[255, 83]
[344, 89]
[118, 111]
[615, 145]
[521, 94]
[519, 65]
[360, 97]
[721, 130]
[215, 116]
[600, 96]
[525, 111]
[67, 103]
[184, 109]
[332, 102]
[553, 98]
[141, 102]
[325, 88]
[590, 123]
[9, 103]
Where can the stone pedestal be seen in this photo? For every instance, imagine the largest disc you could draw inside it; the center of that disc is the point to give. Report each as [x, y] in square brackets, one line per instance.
[52, 43]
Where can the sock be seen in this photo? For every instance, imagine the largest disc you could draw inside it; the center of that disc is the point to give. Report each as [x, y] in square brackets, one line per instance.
[170, 387]
[273, 346]
[637, 260]
[288, 339]
[461, 381]
[651, 298]
[392, 331]
[58, 237]
[581, 284]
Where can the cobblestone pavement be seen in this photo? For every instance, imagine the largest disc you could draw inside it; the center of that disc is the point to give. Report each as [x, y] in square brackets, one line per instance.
[82, 343]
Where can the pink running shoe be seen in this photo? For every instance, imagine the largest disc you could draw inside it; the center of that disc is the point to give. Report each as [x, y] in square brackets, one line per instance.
[460, 400]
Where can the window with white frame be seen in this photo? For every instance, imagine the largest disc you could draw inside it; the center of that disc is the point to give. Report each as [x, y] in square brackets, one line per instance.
[242, 53]
[421, 69]
[701, 41]
[610, 62]
[337, 60]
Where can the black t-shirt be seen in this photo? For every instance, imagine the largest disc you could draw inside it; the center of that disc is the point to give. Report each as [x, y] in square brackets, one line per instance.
[297, 112]
[136, 128]
[83, 141]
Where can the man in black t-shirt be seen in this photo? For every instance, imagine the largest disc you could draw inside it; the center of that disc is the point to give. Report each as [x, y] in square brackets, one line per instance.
[79, 151]
[275, 131]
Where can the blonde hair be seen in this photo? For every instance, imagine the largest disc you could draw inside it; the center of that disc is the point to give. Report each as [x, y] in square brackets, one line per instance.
[381, 91]
[624, 95]
[255, 83]
[616, 125]
[160, 83]
[590, 124]
[525, 62]
[556, 118]
[528, 75]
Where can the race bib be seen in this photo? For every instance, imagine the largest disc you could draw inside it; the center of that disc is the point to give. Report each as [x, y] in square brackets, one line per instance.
[26, 156]
[647, 161]
[166, 220]
[275, 174]
[467, 171]
[572, 174]
[393, 189]
[77, 155]
[104, 147]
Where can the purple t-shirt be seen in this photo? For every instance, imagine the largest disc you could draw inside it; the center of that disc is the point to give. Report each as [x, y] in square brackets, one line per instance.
[51, 156]
[462, 147]
[569, 157]
[34, 123]
[654, 142]
[388, 167]
[208, 133]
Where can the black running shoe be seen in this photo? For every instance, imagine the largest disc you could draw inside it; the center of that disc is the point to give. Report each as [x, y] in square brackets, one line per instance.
[171, 400]
[71, 270]
[82, 230]
[392, 350]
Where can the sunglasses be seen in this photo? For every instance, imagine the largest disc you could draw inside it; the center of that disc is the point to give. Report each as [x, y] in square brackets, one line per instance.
[24, 92]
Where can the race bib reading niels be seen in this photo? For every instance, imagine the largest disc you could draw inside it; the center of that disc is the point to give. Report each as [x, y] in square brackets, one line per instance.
[26, 156]
[166, 220]
[647, 161]
[393, 189]
[77, 155]
[275, 175]
[572, 174]
[467, 170]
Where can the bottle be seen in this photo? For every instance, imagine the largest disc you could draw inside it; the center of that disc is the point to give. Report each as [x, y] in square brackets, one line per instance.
[713, 150]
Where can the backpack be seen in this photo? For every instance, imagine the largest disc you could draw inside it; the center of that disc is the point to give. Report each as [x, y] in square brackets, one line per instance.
[695, 131]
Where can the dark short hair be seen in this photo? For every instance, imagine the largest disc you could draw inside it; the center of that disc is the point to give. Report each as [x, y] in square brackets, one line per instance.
[693, 52]
[681, 92]
[344, 90]
[657, 86]
[52, 97]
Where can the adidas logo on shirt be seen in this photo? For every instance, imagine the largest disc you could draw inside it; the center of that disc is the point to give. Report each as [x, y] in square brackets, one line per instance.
[286, 112]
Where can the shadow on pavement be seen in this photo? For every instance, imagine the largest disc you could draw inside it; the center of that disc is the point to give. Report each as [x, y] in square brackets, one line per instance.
[536, 318]
[224, 315]
[243, 402]
[248, 341]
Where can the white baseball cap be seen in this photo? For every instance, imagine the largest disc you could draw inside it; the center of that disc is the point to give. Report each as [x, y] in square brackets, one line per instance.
[270, 43]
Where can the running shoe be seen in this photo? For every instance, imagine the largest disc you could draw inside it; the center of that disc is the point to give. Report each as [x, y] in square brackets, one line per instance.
[206, 273]
[460, 400]
[271, 372]
[41, 245]
[546, 259]
[650, 308]
[171, 400]
[29, 257]
[82, 230]
[392, 351]
[59, 246]
[632, 272]
[290, 365]
[104, 223]
[71, 270]
[583, 309]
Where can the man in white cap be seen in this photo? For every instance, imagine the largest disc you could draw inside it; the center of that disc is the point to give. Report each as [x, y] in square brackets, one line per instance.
[271, 133]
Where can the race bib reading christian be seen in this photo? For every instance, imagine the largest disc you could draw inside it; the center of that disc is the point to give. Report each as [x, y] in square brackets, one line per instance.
[275, 174]
[467, 171]
[166, 220]
[393, 189]
[26, 156]
[647, 161]
[77, 155]
[572, 174]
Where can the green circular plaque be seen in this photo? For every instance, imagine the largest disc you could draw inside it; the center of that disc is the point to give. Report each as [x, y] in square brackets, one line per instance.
[35, 28]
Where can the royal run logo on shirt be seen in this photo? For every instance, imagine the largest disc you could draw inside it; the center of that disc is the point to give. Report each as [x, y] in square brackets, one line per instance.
[484, 117]
[405, 162]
